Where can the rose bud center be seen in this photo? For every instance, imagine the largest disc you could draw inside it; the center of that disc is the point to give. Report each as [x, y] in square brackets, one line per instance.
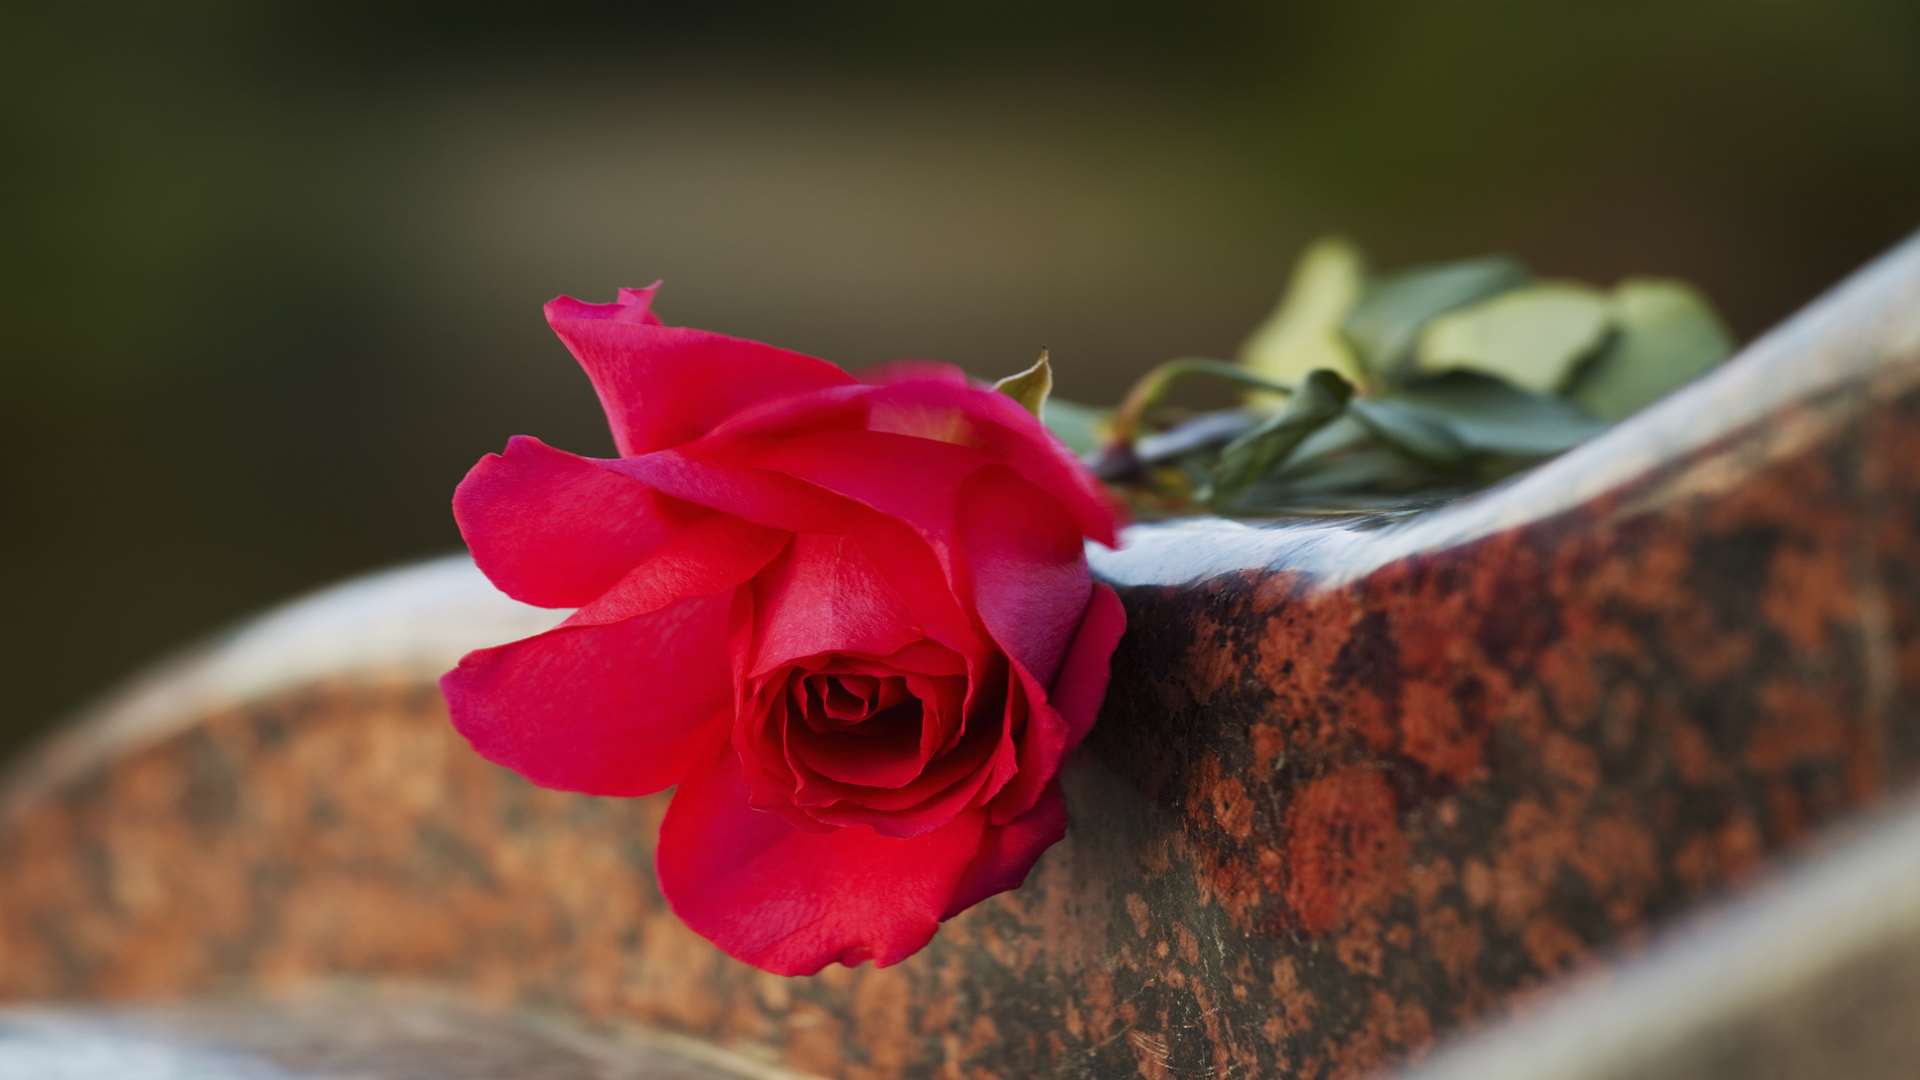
[868, 706]
[845, 739]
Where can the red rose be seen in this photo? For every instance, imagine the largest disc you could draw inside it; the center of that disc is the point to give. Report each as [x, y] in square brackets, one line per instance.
[851, 620]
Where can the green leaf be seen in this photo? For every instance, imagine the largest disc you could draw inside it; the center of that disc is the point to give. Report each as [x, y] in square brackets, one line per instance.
[1339, 436]
[1078, 426]
[1031, 387]
[1303, 333]
[1411, 429]
[1384, 325]
[1489, 416]
[1148, 391]
[1318, 398]
[1532, 337]
[1371, 470]
[1668, 335]
[1343, 456]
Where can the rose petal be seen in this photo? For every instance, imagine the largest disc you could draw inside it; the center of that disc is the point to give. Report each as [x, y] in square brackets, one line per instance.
[756, 495]
[826, 594]
[1057, 721]
[840, 702]
[555, 529]
[1007, 852]
[818, 480]
[938, 409]
[624, 708]
[967, 770]
[909, 565]
[632, 689]
[1030, 581]
[633, 306]
[759, 742]
[661, 386]
[1081, 685]
[791, 901]
[836, 407]
[943, 713]
[712, 554]
[995, 424]
[915, 480]
[885, 758]
[964, 778]
[871, 591]
[919, 658]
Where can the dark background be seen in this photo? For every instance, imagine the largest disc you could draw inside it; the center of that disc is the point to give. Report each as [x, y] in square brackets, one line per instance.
[274, 271]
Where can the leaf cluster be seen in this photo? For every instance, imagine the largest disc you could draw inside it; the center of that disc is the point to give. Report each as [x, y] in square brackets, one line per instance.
[1365, 387]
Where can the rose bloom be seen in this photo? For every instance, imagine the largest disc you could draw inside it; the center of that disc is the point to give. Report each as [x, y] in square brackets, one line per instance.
[851, 620]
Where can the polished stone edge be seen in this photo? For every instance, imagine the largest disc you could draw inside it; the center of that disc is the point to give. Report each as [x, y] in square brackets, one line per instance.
[410, 623]
[1818, 970]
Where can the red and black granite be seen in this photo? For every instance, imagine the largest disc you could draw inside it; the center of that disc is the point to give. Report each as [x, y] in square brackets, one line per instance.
[1356, 785]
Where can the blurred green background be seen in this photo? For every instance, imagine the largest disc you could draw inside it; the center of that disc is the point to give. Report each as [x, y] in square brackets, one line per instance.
[276, 270]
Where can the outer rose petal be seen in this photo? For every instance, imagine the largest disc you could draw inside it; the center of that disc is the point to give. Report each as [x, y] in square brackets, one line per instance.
[1003, 430]
[1028, 565]
[756, 495]
[633, 306]
[710, 555]
[625, 708]
[632, 690]
[915, 480]
[1057, 721]
[790, 901]
[1008, 852]
[1082, 683]
[662, 386]
[554, 529]
[934, 403]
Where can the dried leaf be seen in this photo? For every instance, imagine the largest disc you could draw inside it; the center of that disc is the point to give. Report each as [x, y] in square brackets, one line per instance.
[1303, 333]
[1668, 334]
[1531, 337]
